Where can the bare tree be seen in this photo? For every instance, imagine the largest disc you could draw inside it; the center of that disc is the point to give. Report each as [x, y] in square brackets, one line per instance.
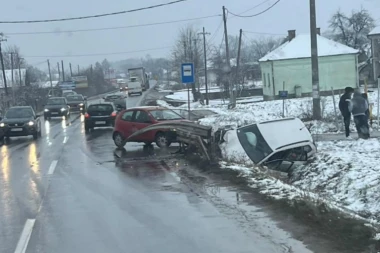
[352, 30]
[258, 48]
[187, 49]
[17, 57]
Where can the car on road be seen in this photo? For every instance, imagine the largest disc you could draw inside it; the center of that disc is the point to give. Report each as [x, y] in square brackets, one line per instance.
[66, 93]
[277, 144]
[134, 86]
[99, 115]
[134, 119]
[56, 107]
[20, 121]
[114, 97]
[77, 103]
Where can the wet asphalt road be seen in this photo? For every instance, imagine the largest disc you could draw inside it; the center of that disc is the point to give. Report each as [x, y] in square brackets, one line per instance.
[72, 192]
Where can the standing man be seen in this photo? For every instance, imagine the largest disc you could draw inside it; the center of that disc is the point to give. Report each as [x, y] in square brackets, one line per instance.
[343, 107]
[358, 106]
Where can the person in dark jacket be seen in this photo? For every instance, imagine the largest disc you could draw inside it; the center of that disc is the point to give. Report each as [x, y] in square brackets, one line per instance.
[358, 106]
[343, 107]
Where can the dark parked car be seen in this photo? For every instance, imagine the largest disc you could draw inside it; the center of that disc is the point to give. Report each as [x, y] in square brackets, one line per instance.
[20, 121]
[56, 107]
[100, 115]
[77, 103]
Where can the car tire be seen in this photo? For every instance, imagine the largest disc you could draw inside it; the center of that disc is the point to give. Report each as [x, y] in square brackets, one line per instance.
[119, 140]
[35, 135]
[162, 140]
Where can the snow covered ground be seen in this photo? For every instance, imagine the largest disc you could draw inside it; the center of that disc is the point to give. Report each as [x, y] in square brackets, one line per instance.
[247, 113]
[345, 176]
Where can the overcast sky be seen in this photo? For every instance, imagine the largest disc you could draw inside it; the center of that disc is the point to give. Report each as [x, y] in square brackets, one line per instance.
[287, 14]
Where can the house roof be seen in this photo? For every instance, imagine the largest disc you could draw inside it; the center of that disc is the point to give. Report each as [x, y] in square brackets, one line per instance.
[375, 31]
[299, 47]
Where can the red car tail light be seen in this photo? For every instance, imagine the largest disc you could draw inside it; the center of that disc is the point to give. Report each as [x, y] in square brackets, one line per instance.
[113, 114]
[87, 115]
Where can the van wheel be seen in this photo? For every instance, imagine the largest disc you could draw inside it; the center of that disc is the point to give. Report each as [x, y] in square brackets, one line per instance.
[162, 140]
[119, 140]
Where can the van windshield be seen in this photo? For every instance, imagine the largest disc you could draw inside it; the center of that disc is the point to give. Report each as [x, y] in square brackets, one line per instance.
[254, 143]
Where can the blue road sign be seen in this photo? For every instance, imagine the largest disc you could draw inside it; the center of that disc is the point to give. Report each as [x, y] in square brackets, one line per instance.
[187, 73]
[283, 93]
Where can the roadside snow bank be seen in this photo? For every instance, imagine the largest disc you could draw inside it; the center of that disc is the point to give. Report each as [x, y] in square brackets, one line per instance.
[345, 172]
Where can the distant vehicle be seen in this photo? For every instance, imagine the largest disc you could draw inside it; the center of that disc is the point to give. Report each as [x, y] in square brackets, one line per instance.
[134, 86]
[277, 144]
[114, 97]
[77, 103]
[122, 84]
[99, 115]
[129, 121]
[20, 121]
[66, 93]
[141, 76]
[56, 107]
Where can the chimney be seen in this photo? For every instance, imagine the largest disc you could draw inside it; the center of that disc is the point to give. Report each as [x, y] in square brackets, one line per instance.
[319, 31]
[291, 34]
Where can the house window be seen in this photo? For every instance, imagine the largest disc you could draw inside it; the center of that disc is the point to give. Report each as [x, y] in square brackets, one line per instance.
[268, 80]
[264, 80]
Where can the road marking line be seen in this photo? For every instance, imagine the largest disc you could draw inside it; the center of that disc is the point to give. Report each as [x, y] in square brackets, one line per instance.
[25, 236]
[52, 167]
[65, 140]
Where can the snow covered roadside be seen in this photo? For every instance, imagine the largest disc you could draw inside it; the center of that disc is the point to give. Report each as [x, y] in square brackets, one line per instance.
[345, 176]
[249, 113]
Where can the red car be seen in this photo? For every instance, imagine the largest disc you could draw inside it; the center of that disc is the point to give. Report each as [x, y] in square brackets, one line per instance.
[129, 121]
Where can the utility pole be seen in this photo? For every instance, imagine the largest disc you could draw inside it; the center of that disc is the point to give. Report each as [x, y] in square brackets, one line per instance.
[59, 72]
[51, 82]
[71, 70]
[19, 69]
[196, 65]
[185, 50]
[205, 61]
[3, 68]
[13, 83]
[63, 71]
[238, 65]
[232, 100]
[314, 62]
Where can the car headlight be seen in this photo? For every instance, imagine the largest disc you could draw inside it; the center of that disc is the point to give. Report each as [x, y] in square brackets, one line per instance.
[2, 125]
[81, 104]
[63, 109]
[30, 123]
[46, 110]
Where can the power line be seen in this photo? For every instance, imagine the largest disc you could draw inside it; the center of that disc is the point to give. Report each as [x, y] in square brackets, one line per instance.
[257, 14]
[95, 54]
[257, 5]
[91, 16]
[112, 28]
